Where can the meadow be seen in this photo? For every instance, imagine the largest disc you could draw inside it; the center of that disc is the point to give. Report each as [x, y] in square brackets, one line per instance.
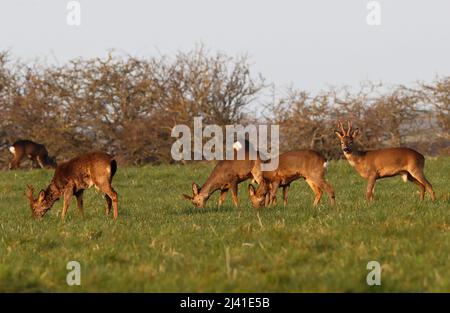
[160, 243]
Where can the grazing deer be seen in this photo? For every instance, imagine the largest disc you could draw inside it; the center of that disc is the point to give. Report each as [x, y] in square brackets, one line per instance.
[37, 153]
[226, 175]
[71, 178]
[307, 164]
[381, 163]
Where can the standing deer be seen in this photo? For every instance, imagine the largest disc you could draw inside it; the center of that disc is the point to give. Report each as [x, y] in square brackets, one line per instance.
[381, 163]
[307, 164]
[36, 152]
[71, 178]
[226, 175]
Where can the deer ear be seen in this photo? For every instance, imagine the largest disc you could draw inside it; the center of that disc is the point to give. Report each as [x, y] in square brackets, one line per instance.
[251, 190]
[338, 134]
[195, 189]
[41, 196]
[187, 197]
[356, 133]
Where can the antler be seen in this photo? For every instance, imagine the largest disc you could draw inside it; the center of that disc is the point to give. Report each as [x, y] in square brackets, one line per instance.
[341, 128]
[349, 128]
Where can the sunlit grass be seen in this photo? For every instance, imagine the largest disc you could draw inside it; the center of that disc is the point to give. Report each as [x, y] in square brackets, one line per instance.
[160, 243]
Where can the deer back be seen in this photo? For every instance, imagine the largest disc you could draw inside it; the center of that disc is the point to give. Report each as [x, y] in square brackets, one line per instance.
[301, 163]
[85, 170]
[390, 161]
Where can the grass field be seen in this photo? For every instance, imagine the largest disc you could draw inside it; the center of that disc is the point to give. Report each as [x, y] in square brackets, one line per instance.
[161, 244]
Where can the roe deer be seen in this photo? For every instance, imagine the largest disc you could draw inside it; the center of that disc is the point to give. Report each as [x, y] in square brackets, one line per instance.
[72, 178]
[36, 152]
[381, 163]
[307, 164]
[227, 174]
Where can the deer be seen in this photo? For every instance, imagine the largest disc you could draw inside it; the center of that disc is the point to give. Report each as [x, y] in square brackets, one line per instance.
[226, 175]
[293, 165]
[36, 152]
[387, 162]
[71, 178]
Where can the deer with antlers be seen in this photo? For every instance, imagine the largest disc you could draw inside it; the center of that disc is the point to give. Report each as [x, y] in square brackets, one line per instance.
[381, 163]
[71, 178]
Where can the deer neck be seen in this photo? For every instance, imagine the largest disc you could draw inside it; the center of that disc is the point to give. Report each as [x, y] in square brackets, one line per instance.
[208, 188]
[355, 158]
[52, 193]
[263, 188]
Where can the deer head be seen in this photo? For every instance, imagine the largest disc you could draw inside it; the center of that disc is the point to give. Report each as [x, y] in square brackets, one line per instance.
[258, 197]
[347, 137]
[38, 206]
[51, 162]
[197, 199]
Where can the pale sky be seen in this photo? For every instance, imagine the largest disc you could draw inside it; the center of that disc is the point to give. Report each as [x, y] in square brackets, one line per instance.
[306, 44]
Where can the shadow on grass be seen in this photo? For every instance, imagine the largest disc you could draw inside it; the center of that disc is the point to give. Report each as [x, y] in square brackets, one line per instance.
[189, 210]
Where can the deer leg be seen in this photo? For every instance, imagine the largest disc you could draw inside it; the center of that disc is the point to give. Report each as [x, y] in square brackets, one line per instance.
[323, 184]
[15, 162]
[108, 204]
[79, 196]
[285, 194]
[34, 163]
[273, 192]
[317, 191]
[12, 164]
[421, 178]
[223, 195]
[421, 187]
[370, 188]
[39, 161]
[267, 200]
[234, 193]
[112, 194]
[68, 193]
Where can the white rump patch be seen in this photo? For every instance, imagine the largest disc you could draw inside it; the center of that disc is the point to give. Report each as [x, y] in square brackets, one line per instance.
[405, 177]
[12, 150]
[237, 146]
[325, 165]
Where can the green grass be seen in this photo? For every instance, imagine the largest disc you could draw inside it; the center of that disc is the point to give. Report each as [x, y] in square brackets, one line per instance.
[161, 244]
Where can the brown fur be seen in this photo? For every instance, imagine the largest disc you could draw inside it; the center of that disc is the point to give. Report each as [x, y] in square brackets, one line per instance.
[381, 163]
[36, 152]
[71, 178]
[226, 175]
[307, 164]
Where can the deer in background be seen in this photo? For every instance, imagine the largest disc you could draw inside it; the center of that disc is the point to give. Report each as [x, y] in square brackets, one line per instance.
[36, 152]
[71, 178]
[307, 164]
[381, 163]
[226, 175]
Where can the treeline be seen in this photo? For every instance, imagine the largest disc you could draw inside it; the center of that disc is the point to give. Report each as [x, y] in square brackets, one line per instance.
[127, 106]
[415, 116]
